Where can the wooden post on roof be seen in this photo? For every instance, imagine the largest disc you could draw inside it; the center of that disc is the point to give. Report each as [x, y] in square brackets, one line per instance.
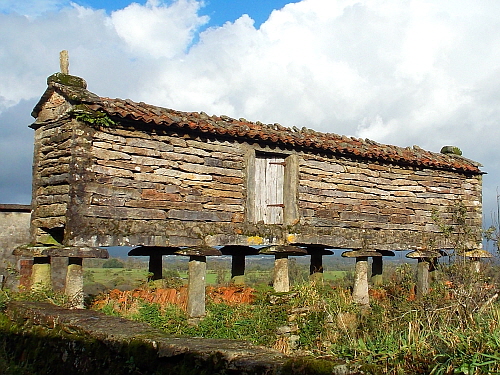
[64, 62]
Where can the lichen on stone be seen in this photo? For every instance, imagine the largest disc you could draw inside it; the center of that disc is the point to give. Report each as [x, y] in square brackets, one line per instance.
[67, 80]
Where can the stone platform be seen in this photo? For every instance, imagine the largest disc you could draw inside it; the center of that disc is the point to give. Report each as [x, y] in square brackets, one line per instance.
[62, 341]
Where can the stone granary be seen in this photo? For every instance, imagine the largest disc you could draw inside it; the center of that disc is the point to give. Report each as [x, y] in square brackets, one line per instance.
[113, 172]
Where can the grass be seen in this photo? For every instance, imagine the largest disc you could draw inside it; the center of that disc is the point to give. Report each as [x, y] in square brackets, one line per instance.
[136, 277]
[453, 330]
[104, 275]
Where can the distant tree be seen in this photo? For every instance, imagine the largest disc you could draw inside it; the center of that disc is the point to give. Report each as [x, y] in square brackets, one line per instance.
[113, 263]
[492, 234]
[297, 273]
[88, 276]
[170, 273]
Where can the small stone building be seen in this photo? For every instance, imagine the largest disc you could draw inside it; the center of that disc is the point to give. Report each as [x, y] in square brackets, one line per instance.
[113, 172]
[14, 231]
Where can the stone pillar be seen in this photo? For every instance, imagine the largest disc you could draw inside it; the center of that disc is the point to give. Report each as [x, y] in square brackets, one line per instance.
[74, 282]
[360, 290]
[196, 286]
[58, 269]
[476, 265]
[25, 272]
[155, 266]
[426, 260]
[377, 270]
[422, 277]
[238, 269]
[281, 281]
[475, 257]
[40, 274]
[316, 267]
[433, 266]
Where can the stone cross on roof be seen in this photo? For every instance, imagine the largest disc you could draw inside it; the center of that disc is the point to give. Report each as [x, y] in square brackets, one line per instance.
[64, 61]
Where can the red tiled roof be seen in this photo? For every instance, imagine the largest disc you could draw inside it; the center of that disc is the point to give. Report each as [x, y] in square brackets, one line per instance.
[223, 125]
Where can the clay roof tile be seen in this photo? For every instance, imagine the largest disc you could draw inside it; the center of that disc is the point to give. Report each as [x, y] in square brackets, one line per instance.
[274, 133]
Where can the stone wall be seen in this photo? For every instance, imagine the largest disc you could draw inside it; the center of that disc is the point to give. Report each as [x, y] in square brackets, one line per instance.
[14, 231]
[135, 184]
[389, 206]
[51, 177]
[54, 340]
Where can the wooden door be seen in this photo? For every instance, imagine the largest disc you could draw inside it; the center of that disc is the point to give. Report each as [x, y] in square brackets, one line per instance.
[269, 178]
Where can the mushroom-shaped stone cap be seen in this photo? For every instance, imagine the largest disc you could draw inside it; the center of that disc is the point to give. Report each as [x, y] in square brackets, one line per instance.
[361, 253]
[478, 253]
[387, 253]
[66, 79]
[153, 250]
[239, 250]
[199, 251]
[283, 249]
[319, 251]
[61, 251]
[314, 246]
[423, 254]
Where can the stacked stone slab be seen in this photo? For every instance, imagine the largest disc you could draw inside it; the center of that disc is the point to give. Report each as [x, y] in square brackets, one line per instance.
[112, 172]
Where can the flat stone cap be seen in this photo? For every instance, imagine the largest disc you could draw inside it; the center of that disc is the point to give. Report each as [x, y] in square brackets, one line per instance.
[387, 253]
[239, 250]
[15, 208]
[423, 254]
[478, 253]
[282, 249]
[199, 251]
[61, 251]
[67, 80]
[153, 250]
[361, 253]
[319, 251]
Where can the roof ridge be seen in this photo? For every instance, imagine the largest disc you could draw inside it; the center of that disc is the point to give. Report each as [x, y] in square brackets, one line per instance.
[275, 133]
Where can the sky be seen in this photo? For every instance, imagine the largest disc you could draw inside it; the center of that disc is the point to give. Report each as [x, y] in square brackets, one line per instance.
[409, 72]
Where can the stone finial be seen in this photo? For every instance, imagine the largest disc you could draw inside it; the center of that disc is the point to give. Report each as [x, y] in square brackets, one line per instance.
[451, 150]
[64, 61]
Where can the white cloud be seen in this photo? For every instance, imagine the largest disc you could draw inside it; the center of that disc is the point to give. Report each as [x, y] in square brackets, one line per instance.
[412, 72]
[157, 30]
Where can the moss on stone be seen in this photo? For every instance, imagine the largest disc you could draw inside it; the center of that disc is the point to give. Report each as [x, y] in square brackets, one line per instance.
[47, 239]
[67, 80]
[313, 366]
[453, 150]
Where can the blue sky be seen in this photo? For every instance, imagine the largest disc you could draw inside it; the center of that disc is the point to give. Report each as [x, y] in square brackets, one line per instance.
[423, 73]
[219, 11]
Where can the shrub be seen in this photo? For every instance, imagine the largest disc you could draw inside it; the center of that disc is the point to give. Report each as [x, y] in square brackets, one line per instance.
[113, 263]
